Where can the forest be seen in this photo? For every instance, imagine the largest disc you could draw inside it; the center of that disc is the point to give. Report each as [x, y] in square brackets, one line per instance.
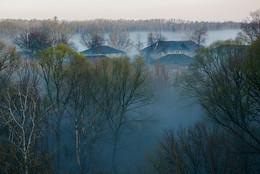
[61, 112]
[13, 26]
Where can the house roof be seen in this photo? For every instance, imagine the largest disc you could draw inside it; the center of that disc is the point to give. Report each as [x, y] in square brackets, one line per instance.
[180, 59]
[166, 46]
[102, 50]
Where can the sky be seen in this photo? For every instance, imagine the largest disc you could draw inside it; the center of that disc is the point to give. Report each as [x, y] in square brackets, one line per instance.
[193, 10]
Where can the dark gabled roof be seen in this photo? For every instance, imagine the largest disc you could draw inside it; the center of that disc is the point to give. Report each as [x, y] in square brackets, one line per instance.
[177, 59]
[102, 50]
[165, 46]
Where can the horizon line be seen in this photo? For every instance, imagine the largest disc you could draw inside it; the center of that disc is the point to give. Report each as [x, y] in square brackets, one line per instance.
[118, 19]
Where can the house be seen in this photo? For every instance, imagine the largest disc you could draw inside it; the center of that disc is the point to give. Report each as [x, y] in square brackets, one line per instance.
[163, 48]
[176, 59]
[103, 51]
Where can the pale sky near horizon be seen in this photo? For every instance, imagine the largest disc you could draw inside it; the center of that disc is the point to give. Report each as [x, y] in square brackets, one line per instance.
[194, 10]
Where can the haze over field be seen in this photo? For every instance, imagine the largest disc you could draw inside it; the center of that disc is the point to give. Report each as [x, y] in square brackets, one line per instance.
[201, 10]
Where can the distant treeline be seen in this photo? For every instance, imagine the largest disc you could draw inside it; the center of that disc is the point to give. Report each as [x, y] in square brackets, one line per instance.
[152, 25]
[12, 26]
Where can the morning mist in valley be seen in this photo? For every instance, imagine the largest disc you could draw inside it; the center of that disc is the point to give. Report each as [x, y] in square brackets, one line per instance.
[129, 87]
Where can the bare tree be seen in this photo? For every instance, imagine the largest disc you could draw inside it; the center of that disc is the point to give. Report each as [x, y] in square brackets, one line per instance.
[120, 40]
[31, 41]
[202, 148]
[22, 113]
[59, 31]
[199, 36]
[251, 27]
[9, 60]
[139, 44]
[49, 33]
[93, 38]
[153, 38]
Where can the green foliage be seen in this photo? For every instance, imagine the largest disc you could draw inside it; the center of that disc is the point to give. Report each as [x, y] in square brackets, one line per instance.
[251, 68]
[225, 81]
[58, 84]
[251, 27]
[56, 61]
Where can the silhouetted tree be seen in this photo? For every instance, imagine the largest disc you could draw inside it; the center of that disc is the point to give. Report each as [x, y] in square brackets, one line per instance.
[251, 28]
[9, 61]
[199, 36]
[152, 38]
[32, 41]
[53, 70]
[139, 44]
[120, 40]
[202, 148]
[22, 113]
[58, 31]
[93, 38]
[130, 91]
[219, 79]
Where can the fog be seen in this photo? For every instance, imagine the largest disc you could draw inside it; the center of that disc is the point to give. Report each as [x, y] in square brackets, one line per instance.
[169, 110]
[212, 36]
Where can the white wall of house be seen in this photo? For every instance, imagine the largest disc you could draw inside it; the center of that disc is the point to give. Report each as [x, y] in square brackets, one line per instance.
[115, 55]
[108, 55]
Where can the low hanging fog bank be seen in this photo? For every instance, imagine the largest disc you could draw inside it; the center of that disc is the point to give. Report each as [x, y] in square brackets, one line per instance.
[213, 35]
[169, 110]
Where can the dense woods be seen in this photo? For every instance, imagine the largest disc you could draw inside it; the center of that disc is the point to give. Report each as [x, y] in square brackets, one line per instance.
[61, 112]
[12, 26]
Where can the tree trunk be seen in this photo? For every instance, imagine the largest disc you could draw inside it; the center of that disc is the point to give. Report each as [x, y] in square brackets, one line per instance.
[58, 144]
[77, 142]
[114, 166]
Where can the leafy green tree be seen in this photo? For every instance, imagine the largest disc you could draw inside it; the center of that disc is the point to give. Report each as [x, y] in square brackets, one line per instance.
[53, 69]
[127, 87]
[77, 76]
[251, 68]
[220, 79]
[84, 109]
